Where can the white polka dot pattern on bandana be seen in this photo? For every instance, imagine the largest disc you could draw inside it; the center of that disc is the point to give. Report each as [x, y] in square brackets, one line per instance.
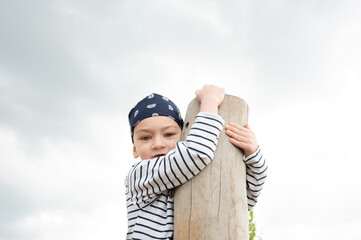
[154, 105]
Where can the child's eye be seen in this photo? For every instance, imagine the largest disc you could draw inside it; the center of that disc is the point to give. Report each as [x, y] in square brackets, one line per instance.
[169, 134]
[145, 138]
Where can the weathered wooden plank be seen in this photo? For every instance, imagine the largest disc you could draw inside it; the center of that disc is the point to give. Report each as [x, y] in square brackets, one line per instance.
[213, 205]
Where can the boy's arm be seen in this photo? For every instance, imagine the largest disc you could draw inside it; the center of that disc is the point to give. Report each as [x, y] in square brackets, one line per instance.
[256, 165]
[149, 178]
[210, 98]
[256, 173]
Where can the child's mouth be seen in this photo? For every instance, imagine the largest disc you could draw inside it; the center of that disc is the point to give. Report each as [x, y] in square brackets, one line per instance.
[158, 155]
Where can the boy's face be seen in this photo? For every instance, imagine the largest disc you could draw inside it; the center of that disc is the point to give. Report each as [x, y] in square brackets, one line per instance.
[155, 136]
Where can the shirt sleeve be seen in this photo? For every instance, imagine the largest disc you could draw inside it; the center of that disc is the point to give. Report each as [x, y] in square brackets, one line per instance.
[256, 173]
[148, 178]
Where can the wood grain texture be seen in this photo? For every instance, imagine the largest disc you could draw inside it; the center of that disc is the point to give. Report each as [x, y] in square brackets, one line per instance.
[213, 205]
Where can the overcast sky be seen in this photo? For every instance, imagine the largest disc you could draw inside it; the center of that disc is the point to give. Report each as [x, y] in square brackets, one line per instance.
[71, 70]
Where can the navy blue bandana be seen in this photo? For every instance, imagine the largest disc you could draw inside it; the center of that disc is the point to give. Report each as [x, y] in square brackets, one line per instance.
[154, 105]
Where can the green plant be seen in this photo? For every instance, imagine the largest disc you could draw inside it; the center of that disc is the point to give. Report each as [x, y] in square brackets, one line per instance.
[252, 227]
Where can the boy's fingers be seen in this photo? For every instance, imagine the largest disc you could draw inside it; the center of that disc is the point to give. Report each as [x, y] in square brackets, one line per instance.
[232, 134]
[237, 129]
[237, 137]
[234, 131]
[237, 143]
[239, 126]
[235, 126]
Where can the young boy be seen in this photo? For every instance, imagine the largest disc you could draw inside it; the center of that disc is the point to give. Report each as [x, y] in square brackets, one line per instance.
[166, 163]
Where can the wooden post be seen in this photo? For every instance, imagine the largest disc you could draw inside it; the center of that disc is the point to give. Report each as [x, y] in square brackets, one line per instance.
[213, 204]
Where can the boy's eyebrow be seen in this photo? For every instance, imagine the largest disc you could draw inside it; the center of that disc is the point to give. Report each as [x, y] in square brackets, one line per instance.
[150, 129]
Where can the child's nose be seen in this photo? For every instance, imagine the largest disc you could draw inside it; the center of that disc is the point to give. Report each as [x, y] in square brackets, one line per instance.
[158, 142]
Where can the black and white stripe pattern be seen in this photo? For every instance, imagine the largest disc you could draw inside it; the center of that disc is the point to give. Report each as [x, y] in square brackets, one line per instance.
[150, 183]
[256, 170]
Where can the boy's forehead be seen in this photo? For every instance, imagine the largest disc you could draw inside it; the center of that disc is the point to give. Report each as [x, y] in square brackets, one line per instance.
[155, 122]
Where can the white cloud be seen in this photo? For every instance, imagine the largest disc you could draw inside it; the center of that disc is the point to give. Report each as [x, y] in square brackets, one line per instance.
[69, 188]
[101, 222]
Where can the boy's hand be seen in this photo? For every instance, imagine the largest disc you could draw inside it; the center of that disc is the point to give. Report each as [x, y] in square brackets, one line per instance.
[210, 97]
[242, 137]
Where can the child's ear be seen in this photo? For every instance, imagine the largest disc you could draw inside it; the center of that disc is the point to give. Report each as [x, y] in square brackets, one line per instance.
[135, 153]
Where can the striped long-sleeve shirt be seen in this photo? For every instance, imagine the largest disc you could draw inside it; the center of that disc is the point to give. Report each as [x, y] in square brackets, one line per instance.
[256, 171]
[150, 183]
